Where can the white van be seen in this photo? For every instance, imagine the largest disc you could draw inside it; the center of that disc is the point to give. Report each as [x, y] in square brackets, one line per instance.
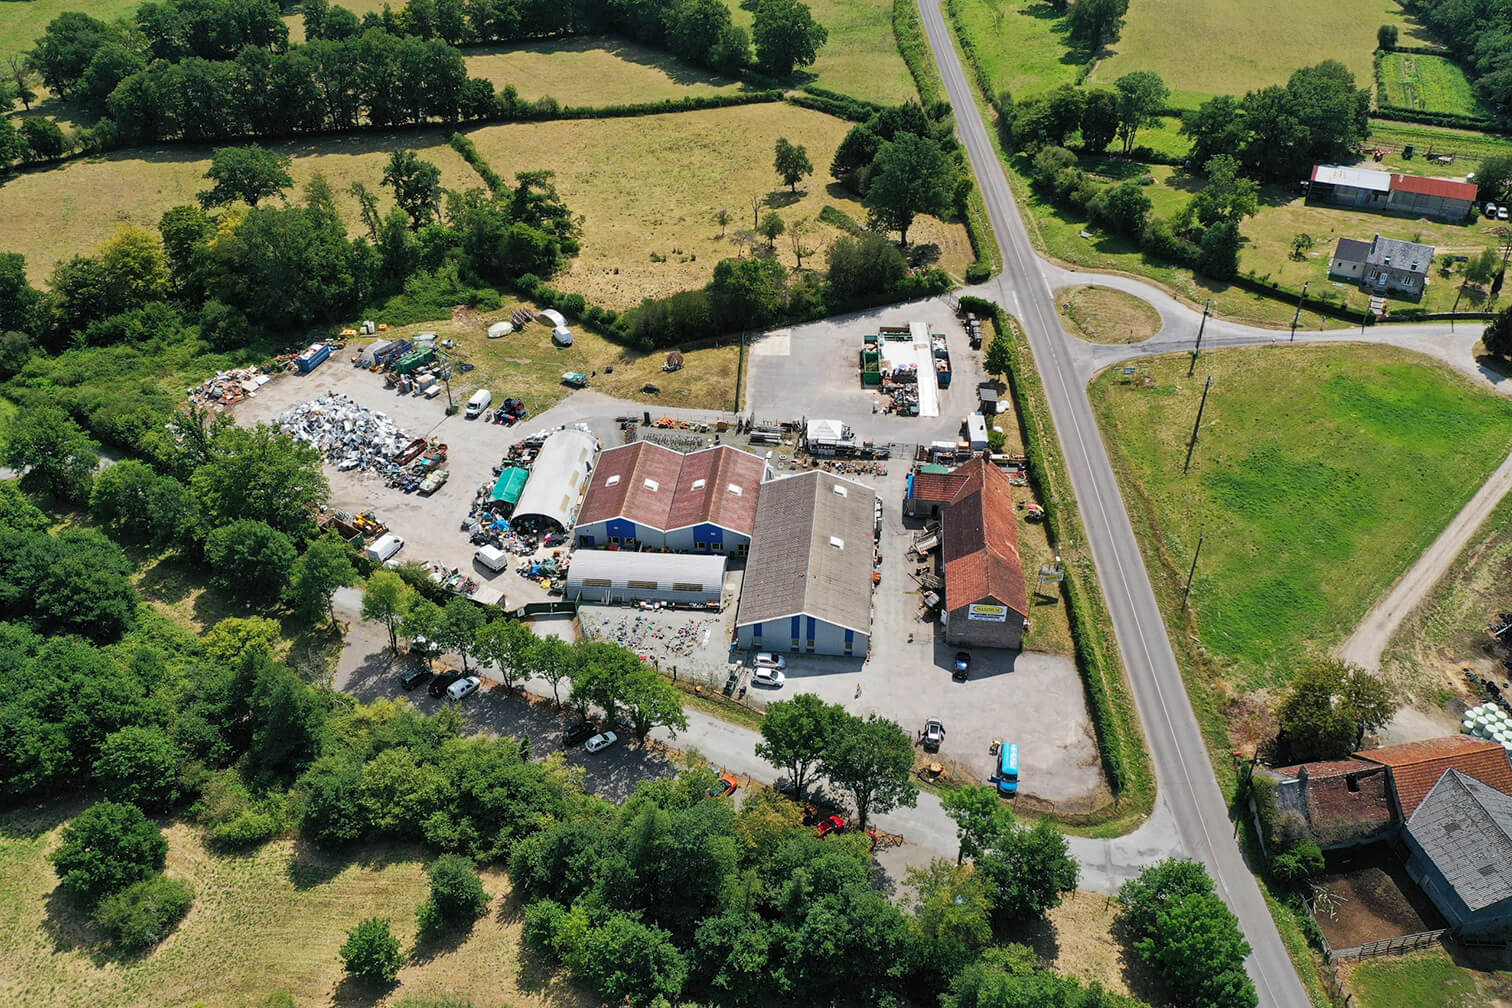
[384, 548]
[492, 557]
[479, 402]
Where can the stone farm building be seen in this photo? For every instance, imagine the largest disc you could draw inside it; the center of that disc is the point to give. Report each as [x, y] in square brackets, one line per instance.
[1449, 200]
[1383, 265]
[1459, 844]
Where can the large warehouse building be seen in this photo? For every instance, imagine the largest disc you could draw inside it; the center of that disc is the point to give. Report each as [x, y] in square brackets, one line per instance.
[986, 597]
[647, 497]
[687, 579]
[557, 477]
[808, 583]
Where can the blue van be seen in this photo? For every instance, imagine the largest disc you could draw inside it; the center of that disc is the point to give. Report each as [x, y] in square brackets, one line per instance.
[1007, 768]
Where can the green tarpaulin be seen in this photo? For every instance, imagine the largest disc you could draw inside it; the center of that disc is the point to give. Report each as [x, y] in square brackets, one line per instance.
[511, 481]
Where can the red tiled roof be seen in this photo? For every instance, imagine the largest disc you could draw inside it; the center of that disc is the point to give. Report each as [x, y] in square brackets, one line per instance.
[980, 545]
[629, 497]
[675, 503]
[1417, 766]
[719, 467]
[1448, 188]
[937, 488]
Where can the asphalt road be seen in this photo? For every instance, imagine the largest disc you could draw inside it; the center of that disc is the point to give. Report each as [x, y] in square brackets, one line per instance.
[1184, 775]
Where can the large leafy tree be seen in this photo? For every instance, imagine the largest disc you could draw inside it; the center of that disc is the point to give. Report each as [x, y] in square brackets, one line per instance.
[52, 453]
[260, 474]
[416, 184]
[108, 847]
[1329, 707]
[651, 701]
[324, 567]
[786, 36]
[980, 817]
[794, 734]
[791, 163]
[872, 761]
[554, 661]
[250, 559]
[1498, 334]
[509, 646]
[1141, 95]
[245, 174]
[1198, 950]
[66, 47]
[1099, 120]
[388, 599]
[1095, 23]
[287, 266]
[1027, 871]
[75, 582]
[1227, 196]
[462, 620]
[910, 175]
[140, 765]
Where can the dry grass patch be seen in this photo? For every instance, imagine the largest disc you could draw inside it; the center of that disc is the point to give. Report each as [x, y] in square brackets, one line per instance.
[594, 70]
[1105, 315]
[1079, 938]
[267, 921]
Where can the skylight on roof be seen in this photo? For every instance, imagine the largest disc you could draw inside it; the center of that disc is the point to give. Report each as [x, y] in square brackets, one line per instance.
[736, 489]
[699, 484]
[837, 542]
[612, 480]
[839, 490]
[652, 485]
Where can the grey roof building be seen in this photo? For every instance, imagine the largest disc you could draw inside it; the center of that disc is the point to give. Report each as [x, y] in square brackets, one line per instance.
[1384, 265]
[1459, 843]
[808, 580]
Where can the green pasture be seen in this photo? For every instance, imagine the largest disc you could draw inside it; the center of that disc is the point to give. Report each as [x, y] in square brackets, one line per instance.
[1427, 83]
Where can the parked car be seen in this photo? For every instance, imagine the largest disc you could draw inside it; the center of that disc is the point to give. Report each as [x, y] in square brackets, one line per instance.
[766, 659]
[962, 667]
[1501, 213]
[442, 681]
[466, 686]
[724, 787]
[425, 648]
[414, 676]
[384, 548]
[601, 741]
[768, 677]
[933, 734]
[1491, 211]
[832, 824]
[579, 733]
[478, 403]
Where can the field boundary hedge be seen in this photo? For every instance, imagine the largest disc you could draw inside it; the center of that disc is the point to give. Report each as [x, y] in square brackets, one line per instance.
[1119, 737]
[908, 30]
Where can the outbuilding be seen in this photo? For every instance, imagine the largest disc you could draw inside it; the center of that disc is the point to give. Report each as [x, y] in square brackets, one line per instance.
[1459, 849]
[684, 579]
[558, 478]
[808, 583]
[986, 596]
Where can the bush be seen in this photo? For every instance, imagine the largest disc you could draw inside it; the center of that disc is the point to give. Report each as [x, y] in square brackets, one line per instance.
[143, 914]
[456, 896]
[978, 273]
[372, 952]
[141, 766]
[1299, 863]
[107, 848]
[247, 829]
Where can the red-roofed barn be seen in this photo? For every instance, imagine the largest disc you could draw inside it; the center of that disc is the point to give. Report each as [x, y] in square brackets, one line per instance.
[986, 598]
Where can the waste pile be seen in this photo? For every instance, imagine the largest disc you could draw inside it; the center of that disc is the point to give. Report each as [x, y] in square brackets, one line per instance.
[229, 387]
[349, 435]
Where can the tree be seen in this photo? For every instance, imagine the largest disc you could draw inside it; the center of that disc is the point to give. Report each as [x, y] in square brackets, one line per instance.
[1141, 95]
[461, 621]
[1143, 897]
[772, 225]
[145, 912]
[747, 293]
[1122, 208]
[1498, 334]
[1198, 951]
[853, 158]
[131, 499]
[262, 474]
[909, 176]
[1215, 127]
[19, 69]
[44, 138]
[1227, 196]
[416, 184]
[67, 45]
[798, 239]
[722, 218]
[1493, 178]
[371, 951]
[862, 265]
[1328, 709]
[1218, 251]
[108, 847]
[980, 817]
[1099, 121]
[52, 453]
[651, 701]
[246, 174]
[786, 36]
[792, 163]
[794, 734]
[1481, 269]
[603, 669]
[509, 646]
[134, 268]
[424, 619]
[387, 598]
[950, 912]
[872, 760]
[250, 558]
[325, 566]
[1386, 37]
[1027, 871]
[332, 814]
[456, 896]
[1095, 23]
[1301, 244]
[999, 357]
[554, 660]
[140, 765]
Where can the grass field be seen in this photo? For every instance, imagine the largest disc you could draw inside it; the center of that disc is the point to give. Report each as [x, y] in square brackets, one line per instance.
[601, 70]
[861, 58]
[644, 185]
[1105, 315]
[1320, 476]
[1202, 48]
[22, 21]
[1428, 83]
[1468, 148]
[1427, 980]
[1021, 44]
[268, 921]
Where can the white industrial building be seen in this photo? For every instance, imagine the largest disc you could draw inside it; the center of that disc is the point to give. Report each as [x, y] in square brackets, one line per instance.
[808, 582]
[609, 576]
[558, 478]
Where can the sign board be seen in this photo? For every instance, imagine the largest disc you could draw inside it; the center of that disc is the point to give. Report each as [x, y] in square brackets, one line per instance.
[1128, 371]
[1051, 575]
[987, 613]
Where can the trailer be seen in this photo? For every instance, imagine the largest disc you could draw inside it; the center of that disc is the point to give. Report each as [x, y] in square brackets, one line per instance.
[433, 457]
[941, 352]
[312, 357]
[575, 379]
[415, 359]
[392, 352]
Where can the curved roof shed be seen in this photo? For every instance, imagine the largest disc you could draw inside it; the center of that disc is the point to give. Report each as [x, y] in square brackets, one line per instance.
[558, 477]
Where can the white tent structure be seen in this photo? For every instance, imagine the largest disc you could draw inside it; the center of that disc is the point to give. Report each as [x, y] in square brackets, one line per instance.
[623, 576]
[499, 329]
[560, 334]
[558, 477]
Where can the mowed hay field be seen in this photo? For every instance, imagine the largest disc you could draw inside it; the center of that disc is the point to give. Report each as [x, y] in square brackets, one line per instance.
[1321, 474]
[861, 58]
[267, 921]
[1203, 48]
[602, 70]
[22, 21]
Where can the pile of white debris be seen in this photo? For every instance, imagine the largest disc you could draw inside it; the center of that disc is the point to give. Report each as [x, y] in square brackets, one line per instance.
[348, 434]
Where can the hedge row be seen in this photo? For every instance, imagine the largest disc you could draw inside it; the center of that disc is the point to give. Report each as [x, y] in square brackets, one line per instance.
[604, 321]
[1253, 283]
[819, 92]
[909, 31]
[1123, 755]
[1400, 113]
[464, 146]
[692, 103]
[968, 48]
[842, 108]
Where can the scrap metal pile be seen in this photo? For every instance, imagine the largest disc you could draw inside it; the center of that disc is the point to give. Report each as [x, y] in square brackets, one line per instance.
[229, 387]
[349, 435]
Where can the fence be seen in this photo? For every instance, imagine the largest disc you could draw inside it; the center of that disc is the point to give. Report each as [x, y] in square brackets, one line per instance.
[1388, 946]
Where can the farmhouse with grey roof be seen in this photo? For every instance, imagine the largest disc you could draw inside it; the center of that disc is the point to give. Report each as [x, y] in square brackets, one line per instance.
[1459, 844]
[1383, 265]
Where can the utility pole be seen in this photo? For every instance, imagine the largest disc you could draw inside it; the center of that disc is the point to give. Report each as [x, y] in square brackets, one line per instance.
[1198, 348]
[1192, 573]
[1298, 316]
[446, 377]
[1192, 444]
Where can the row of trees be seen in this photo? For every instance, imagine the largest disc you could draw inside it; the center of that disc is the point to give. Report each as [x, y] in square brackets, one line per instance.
[1099, 115]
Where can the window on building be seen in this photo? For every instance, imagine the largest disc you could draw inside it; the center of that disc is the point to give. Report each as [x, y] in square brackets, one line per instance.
[643, 585]
[596, 583]
[612, 480]
[719, 547]
[699, 484]
[735, 489]
[652, 485]
[614, 540]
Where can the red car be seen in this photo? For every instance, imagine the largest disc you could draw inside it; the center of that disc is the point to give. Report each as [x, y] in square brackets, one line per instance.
[724, 787]
[834, 824]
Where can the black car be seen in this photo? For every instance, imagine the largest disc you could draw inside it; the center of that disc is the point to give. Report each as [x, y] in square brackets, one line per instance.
[414, 676]
[579, 733]
[443, 679]
[962, 667]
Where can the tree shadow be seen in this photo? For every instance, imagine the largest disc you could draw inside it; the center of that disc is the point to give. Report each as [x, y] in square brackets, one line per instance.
[1143, 982]
[68, 926]
[27, 822]
[443, 944]
[536, 975]
[674, 69]
[923, 254]
[359, 992]
[310, 866]
[1039, 934]
[779, 198]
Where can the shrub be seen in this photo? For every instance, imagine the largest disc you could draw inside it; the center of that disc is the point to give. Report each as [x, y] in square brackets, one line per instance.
[139, 765]
[144, 913]
[978, 273]
[372, 952]
[107, 848]
[456, 896]
[1299, 863]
